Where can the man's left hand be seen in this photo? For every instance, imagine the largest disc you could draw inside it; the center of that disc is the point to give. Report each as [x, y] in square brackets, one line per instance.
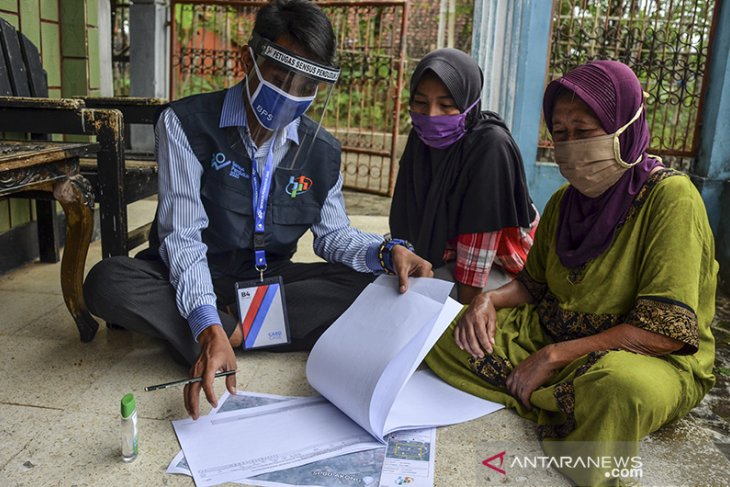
[407, 263]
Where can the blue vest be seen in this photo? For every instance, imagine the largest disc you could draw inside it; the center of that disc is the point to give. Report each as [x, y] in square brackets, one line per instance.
[296, 196]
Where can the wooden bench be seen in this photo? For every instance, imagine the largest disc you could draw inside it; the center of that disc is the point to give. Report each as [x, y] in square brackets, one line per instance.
[140, 176]
[50, 170]
[65, 116]
[116, 181]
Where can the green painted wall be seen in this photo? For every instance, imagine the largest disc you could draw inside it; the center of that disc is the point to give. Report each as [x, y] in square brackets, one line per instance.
[66, 33]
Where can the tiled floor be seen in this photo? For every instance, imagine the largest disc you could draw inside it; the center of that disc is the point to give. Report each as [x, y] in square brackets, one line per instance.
[59, 400]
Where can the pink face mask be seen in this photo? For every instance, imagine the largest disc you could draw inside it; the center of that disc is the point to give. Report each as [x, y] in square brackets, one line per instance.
[440, 131]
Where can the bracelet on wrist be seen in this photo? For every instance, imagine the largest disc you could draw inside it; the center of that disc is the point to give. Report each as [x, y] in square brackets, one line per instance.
[385, 256]
[381, 259]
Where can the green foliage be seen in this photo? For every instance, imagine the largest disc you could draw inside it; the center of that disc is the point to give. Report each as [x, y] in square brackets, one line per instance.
[225, 22]
[121, 85]
[364, 97]
[203, 32]
[723, 371]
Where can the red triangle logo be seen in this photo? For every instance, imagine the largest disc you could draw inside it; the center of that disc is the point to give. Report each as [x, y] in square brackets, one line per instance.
[488, 462]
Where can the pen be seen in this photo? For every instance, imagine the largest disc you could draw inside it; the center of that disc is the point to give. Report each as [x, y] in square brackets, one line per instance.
[192, 380]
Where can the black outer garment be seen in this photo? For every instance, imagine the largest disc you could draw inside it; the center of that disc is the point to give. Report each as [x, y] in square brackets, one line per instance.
[476, 185]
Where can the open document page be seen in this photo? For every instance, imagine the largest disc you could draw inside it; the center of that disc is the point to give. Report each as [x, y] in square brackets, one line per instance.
[366, 359]
[409, 459]
[426, 401]
[365, 366]
[358, 469]
[238, 444]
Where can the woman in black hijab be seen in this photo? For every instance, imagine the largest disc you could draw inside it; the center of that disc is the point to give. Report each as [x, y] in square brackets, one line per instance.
[461, 197]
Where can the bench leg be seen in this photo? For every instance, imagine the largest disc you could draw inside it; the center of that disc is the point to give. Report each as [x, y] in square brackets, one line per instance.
[76, 198]
[48, 239]
[111, 169]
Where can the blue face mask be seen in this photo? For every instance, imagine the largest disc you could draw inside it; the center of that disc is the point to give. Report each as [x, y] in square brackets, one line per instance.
[273, 107]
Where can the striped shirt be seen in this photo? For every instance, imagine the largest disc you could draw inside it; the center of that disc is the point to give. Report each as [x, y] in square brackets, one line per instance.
[182, 217]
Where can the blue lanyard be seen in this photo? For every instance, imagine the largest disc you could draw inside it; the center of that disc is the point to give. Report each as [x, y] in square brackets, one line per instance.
[260, 198]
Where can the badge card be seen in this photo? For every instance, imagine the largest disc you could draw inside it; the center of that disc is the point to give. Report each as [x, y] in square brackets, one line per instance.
[262, 312]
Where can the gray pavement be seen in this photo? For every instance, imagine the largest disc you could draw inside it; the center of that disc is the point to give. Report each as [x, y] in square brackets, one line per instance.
[59, 400]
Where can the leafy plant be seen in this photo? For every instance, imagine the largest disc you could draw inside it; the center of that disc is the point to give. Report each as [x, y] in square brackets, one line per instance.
[723, 371]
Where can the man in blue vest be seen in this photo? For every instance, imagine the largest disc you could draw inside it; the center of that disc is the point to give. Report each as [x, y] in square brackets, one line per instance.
[243, 174]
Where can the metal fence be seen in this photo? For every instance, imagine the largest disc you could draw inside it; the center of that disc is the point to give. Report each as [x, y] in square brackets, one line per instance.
[368, 111]
[364, 112]
[667, 44]
[438, 23]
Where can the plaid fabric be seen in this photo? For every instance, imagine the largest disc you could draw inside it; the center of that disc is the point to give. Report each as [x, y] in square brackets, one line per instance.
[475, 253]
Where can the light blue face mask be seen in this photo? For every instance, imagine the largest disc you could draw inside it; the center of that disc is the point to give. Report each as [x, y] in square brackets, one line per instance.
[273, 107]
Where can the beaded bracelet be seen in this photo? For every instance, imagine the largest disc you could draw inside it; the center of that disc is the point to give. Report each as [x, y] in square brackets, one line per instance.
[385, 253]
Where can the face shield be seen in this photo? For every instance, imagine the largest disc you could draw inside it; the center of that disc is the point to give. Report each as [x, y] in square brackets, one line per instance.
[288, 85]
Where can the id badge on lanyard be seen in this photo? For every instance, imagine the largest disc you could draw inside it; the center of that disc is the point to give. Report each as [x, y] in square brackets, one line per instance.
[262, 312]
[260, 302]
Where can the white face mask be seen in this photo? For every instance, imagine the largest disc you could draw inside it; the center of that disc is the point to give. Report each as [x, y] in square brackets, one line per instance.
[593, 165]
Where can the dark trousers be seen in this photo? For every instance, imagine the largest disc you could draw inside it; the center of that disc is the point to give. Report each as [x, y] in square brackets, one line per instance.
[137, 295]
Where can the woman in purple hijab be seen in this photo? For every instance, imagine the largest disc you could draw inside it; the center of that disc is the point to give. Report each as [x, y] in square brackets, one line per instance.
[461, 194]
[604, 337]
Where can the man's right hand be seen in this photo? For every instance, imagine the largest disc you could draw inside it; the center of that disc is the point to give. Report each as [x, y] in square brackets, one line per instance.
[476, 328]
[216, 355]
[407, 263]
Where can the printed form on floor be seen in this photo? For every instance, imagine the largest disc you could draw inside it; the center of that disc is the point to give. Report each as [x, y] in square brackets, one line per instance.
[364, 366]
[408, 457]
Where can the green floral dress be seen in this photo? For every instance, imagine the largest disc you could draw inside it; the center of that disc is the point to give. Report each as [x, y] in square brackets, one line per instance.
[659, 274]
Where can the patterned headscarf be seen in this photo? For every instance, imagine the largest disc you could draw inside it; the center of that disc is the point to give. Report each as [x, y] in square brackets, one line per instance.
[613, 92]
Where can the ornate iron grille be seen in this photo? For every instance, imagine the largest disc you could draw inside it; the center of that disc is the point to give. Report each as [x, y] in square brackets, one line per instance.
[120, 46]
[667, 45]
[363, 111]
[429, 27]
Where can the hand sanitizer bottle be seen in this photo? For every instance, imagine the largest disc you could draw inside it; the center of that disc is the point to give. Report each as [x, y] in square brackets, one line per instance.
[130, 439]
